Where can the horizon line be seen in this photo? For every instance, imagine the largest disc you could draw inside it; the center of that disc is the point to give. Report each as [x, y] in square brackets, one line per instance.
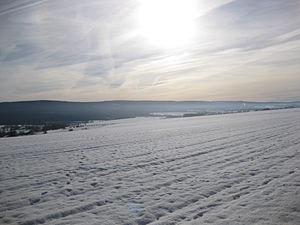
[67, 101]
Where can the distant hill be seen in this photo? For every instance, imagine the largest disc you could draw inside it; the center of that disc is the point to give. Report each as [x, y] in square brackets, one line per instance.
[39, 112]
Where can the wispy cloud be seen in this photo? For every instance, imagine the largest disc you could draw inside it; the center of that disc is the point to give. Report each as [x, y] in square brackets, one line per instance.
[92, 50]
[8, 6]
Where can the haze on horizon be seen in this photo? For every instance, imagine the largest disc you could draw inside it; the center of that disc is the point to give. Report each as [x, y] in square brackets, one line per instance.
[150, 50]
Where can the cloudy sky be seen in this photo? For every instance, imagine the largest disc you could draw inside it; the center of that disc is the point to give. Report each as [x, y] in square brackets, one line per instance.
[96, 50]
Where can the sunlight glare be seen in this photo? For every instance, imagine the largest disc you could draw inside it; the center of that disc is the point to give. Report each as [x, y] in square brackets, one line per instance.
[167, 23]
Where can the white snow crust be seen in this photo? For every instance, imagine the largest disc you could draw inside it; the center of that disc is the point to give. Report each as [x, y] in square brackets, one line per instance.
[223, 170]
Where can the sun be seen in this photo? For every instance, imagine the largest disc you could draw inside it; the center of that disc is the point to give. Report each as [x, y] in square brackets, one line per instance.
[167, 23]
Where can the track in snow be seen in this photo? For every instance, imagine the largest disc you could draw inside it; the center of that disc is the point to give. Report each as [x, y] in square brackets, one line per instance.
[224, 169]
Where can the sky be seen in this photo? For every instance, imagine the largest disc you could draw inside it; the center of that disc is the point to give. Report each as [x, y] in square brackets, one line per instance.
[96, 50]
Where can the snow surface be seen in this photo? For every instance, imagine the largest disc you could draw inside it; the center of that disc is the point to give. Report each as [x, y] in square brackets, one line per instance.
[224, 169]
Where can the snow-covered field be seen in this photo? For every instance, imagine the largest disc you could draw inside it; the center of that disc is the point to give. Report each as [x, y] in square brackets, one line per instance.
[224, 169]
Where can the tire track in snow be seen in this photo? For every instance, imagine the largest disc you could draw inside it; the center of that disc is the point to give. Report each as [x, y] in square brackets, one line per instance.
[238, 144]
